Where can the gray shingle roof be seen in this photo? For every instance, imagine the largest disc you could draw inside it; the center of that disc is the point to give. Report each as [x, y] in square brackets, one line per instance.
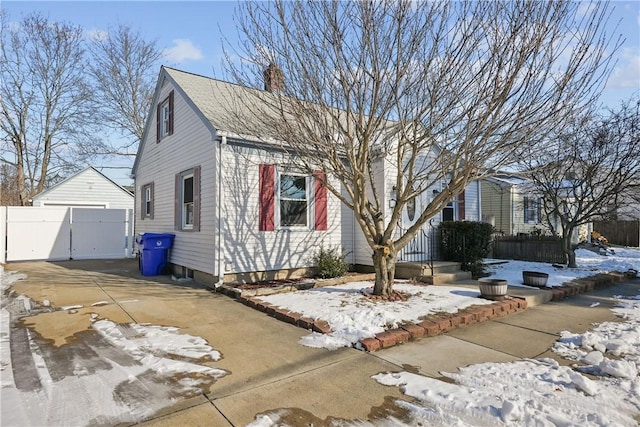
[227, 106]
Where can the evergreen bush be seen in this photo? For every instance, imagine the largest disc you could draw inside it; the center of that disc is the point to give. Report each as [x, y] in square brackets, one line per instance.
[330, 262]
[466, 242]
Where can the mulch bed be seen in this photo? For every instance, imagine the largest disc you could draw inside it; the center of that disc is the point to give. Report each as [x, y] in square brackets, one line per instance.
[269, 283]
[395, 295]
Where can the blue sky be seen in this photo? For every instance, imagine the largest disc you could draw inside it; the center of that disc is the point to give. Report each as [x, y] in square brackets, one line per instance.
[191, 32]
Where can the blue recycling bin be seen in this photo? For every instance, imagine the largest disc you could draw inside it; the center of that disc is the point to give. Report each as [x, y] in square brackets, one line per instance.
[154, 249]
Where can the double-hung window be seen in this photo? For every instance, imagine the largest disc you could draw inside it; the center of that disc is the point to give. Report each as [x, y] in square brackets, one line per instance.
[147, 201]
[531, 210]
[164, 118]
[293, 200]
[187, 200]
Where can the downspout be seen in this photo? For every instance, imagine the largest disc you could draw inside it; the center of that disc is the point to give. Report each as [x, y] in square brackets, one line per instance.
[513, 210]
[220, 260]
[479, 202]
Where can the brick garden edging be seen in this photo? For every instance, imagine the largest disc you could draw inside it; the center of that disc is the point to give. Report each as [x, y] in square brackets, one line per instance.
[438, 324]
[431, 325]
[584, 285]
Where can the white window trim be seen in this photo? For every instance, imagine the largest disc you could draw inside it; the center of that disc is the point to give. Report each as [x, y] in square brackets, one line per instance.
[308, 183]
[183, 205]
[536, 203]
[165, 113]
[148, 200]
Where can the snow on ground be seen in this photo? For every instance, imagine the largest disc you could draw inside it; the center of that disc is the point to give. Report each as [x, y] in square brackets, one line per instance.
[352, 316]
[604, 390]
[589, 263]
[117, 373]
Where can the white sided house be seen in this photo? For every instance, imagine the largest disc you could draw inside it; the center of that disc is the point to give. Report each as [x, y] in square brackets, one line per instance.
[239, 207]
[88, 188]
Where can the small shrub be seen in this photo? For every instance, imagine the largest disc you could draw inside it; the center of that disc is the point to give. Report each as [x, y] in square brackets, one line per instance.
[476, 268]
[466, 242]
[330, 262]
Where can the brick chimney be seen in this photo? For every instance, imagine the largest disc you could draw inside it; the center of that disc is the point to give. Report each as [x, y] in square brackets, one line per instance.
[273, 78]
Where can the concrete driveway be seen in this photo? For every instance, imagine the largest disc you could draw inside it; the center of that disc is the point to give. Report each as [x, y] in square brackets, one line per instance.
[265, 367]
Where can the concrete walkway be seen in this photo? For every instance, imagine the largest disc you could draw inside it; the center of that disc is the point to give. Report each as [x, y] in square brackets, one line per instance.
[268, 369]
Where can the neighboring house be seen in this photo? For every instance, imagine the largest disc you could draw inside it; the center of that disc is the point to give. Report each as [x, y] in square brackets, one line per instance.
[88, 188]
[238, 205]
[509, 204]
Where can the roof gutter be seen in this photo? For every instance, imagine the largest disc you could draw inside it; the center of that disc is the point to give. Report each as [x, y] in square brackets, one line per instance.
[220, 261]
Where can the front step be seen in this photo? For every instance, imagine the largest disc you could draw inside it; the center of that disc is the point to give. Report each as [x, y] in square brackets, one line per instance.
[446, 278]
[443, 272]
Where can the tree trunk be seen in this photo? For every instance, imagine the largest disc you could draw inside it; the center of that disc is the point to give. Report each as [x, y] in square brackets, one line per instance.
[384, 262]
[568, 249]
[22, 189]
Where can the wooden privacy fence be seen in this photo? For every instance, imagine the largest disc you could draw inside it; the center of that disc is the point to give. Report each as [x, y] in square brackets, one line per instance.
[624, 233]
[529, 248]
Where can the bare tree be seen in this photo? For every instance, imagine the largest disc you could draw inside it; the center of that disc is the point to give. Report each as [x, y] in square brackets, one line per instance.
[422, 93]
[123, 67]
[45, 101]
[592, 172]
[9, 195]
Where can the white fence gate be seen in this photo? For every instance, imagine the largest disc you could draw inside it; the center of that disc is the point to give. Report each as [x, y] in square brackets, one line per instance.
[54, 234]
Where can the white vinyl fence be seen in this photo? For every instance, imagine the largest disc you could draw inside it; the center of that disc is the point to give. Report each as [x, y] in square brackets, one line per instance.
[55, 234]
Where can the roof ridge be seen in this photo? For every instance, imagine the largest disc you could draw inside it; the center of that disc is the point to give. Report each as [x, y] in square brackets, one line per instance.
[213, 79]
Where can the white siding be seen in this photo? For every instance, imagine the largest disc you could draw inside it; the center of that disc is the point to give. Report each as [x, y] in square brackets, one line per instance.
[88, 188]
[472, 202]
[496, 205]
[190, 145]
[349, 228]
[246, 247]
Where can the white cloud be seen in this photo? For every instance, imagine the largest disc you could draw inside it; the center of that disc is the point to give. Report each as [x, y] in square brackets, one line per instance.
[181, 51]
[626, 73]
[585, 8]
[97, 35]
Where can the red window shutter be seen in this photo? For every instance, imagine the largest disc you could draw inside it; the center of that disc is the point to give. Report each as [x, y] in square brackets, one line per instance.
[267, 197]
[320, 200]
[196, 198]
[158, 123]
[171, 113]
[177, 209]
[461, 211]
